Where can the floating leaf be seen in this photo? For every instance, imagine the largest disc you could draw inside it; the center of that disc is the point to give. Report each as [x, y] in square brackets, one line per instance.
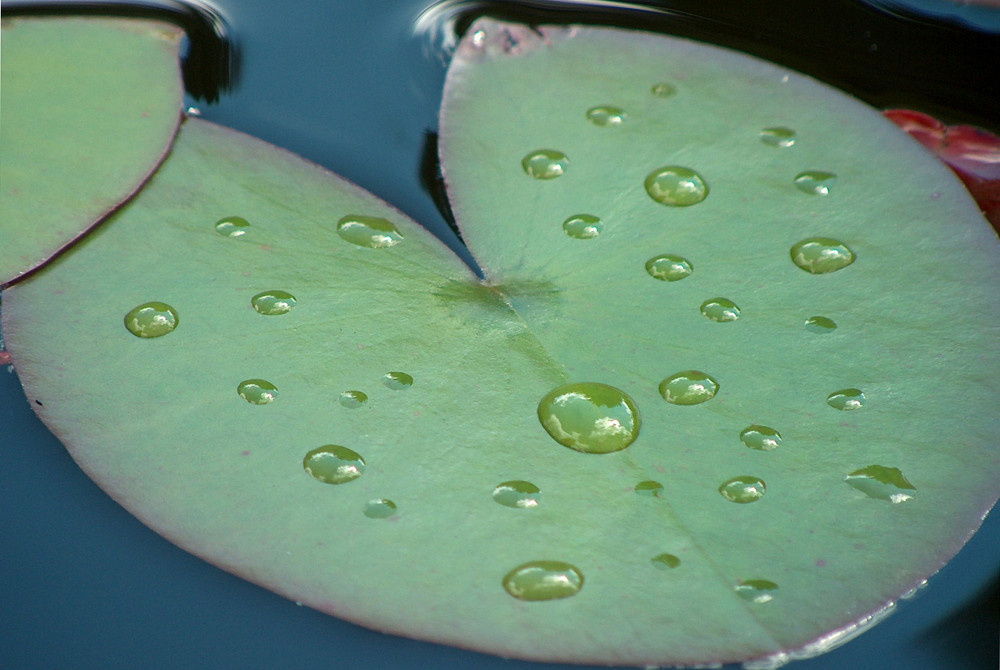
[90, 108]
[460, 388]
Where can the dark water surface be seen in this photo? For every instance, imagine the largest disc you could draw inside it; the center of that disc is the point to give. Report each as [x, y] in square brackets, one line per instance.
[355, 86]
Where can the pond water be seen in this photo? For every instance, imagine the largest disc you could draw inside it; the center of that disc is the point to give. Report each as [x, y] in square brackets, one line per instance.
[355, 85]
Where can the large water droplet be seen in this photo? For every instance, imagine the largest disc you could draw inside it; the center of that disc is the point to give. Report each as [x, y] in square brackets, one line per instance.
[762, 438]
[353, 399]
[606, 115]
[820, 255]
[778, 137]
[649, 488]
[689, 387]
[668, 267]
[757, 590]
[232, 226]
[820, 324]
[665, 561]
[543, 580]
[517, 493]
[151, 319]
[743, 489]
[846, 399]
[662, 90]
[676, 186]
[582, 226]
[257, 391]
[272, 303]
[397, 381]
[878, 481]
[722, 310]
[334, 464]
[545, 164]
[369, 231]
[815, 182]
[381, 508]
[590, 417]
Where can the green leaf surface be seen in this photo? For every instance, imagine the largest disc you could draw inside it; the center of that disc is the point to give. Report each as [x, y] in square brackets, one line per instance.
[90, 109]
[601, 454]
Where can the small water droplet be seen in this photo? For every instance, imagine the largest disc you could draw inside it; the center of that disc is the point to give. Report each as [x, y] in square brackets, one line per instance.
[545, 164]
[353, 399]
[334, 464]
[606, 115]
[381, 508]
[662, 90]
[649, 488]
[757, 590]
[820, 324]
[543, 580]
[762, 438]
[689, 387]
[669, 267]
[582, 226]
[151, 319]
[846, 399]
[397, 381]
[665, 561]
[272, 303]
[369, 231]
[517, 493]
[589, 417]
[257, 391]
[743, 489]
[778, 137]
[820, 255]
[815, 182]
[676, 186]
[232, 226]
[878, 481]
[722, 310]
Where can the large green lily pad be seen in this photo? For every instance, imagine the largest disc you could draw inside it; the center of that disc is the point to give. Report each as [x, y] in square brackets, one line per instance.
[253, 357]
[90, 109]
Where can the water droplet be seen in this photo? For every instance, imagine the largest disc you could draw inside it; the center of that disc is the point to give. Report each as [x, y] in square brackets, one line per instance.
[665, 561]
[334, 464]
[722, 310]
[820, 324]
[151, 319]
[846, 399]
[353, 399]
[756, 590]
[743, 489]
[543, 580]
[589, 417]
[778, 137]
[545, 164]
[662, 90]
[668, 267]
[762, 438]
[397, 381]
[369, 231]
[517, 493]
[815, 182]
[257, 391]
[272, 303]
[689, 387]
[606, 115]
[232, 226]
[381, 508]
[820, 255]
[649, 488]
[582, 226]
[676, 186]
[878, 481]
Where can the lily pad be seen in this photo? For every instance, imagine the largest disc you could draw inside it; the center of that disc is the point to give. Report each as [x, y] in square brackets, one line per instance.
[90, 109]
[573, 376]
